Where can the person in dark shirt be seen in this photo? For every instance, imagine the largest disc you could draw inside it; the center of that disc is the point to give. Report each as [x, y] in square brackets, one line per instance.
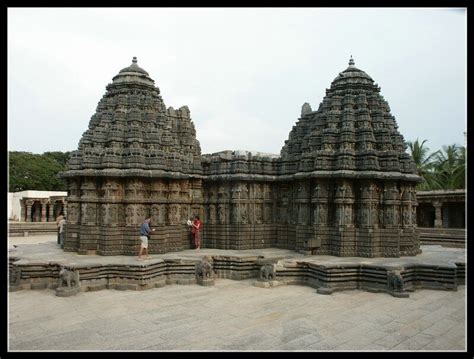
[144, 236]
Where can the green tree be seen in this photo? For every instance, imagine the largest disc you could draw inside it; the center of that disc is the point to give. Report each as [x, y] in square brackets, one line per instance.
[28, 171]
[425, 165]
[450, 166]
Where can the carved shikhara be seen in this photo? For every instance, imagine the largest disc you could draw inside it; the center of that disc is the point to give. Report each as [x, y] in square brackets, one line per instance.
[342, 185]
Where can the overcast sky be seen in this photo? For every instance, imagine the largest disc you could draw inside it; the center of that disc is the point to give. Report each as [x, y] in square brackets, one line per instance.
[244, 73]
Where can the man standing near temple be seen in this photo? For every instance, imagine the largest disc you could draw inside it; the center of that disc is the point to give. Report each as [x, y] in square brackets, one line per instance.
[144, 236]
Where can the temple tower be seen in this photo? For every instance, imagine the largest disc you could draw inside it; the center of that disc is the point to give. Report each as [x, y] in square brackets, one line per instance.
[342, 185]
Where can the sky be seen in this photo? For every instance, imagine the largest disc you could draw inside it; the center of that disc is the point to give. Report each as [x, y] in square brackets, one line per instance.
[244, 73]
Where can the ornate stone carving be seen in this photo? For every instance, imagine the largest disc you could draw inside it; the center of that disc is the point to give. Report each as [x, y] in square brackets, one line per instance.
[395, 281]
[14, 275]
[204, 269]
[68, 278]
[140, 157]
[267, 272]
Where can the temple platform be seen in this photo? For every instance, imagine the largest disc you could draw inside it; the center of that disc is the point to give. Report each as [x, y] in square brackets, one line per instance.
[41, 265]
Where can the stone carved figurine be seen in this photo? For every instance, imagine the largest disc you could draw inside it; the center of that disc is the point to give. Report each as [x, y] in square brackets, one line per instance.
[267, 272]
[15, 275]
[395, 281]
[204, 269]
[68, 278]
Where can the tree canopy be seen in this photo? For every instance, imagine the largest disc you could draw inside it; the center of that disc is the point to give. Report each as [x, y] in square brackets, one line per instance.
[29, 171]
[443, 169]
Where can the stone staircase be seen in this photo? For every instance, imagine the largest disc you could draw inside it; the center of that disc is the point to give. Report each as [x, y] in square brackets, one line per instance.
[25, 229]
[447, 237]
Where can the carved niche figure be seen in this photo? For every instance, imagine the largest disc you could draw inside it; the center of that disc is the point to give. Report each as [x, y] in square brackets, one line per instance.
[155, 213]
[235, 214]
[267, 272]
[90, 213]
[212, 214]
[221, 213]
[407, 216]
[73, 213]
[243, 214]
[303, 214]
[258, 193]
[267, 191]
[130, 214]
[175, 190]
[396, 216]
[389, 215]
[348, 215]
[322, 214]
[104, 214]
[364, 216]
[113, 214]
[173, 214]
[243, 190]
[14, 275]
[316, 191]
[316, 219]
[381, 216]
[204, 268]
[162, 214]
[395, 281]
[258, 214]
[267, 213]
[68, 278]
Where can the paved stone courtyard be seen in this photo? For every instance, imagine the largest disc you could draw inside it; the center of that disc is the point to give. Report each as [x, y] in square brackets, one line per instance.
[235, 315]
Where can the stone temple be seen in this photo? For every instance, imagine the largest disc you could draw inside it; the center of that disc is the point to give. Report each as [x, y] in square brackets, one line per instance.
[342, 185]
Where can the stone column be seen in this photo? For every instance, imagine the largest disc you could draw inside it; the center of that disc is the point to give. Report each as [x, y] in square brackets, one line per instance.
[28, 210]
[43, 210]
[438, 223]
[50, 213]
[64, 209]
[23, 210]
[446, 216]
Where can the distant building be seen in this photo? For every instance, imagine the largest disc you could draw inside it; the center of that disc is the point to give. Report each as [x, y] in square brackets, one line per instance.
[441, 209]
[36, 206]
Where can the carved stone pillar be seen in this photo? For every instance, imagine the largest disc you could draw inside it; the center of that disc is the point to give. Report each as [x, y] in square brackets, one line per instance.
[438, 223]
[28, 210]
[43, 210]
[50, 213]
[23, 211]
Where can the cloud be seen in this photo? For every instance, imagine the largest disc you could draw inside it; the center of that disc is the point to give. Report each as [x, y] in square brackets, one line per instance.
[244, 73]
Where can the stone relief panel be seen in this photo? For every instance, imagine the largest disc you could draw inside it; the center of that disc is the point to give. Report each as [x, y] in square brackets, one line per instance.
[73, 213]
[212, 216]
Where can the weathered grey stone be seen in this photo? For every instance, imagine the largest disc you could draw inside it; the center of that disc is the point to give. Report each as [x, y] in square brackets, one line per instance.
[342, 184]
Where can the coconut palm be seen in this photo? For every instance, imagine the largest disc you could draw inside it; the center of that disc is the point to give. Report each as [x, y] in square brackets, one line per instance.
[424, 164]
[450, 166]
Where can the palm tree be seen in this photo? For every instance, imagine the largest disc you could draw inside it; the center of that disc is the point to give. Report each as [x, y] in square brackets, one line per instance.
[424, 164]
[450, 165]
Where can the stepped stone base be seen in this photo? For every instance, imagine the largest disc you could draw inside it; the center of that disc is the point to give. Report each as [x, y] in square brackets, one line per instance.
[38, 266]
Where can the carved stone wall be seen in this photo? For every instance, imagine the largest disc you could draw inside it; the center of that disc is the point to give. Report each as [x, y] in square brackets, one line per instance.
[342, 185]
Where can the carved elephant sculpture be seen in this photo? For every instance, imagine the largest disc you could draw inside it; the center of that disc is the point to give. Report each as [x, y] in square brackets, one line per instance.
[68, 278]
[267, 272]
[204, 269]
[395, 281]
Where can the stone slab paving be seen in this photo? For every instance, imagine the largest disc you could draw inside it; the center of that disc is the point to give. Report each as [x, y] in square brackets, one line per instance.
[236, 316]
[45, 249]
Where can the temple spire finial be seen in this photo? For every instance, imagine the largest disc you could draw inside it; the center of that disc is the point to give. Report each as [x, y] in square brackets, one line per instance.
[351, 61]
[134, 59]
